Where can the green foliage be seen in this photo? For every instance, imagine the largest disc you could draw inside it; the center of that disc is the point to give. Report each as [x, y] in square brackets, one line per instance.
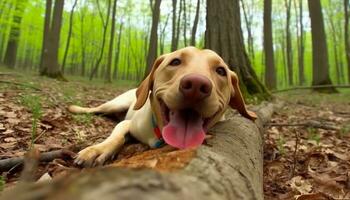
[314, 135]
[33, 103]
[280, 145]
[2, 183]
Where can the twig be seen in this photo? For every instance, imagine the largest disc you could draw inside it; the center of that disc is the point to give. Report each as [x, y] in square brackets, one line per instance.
[41, 134]
[311, 87]
[311, 123]
[21, 84]
[8, 163]
[295, 152]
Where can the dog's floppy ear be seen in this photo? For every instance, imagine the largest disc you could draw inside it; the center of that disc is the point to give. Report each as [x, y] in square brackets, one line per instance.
[237, 101]
[146, 85]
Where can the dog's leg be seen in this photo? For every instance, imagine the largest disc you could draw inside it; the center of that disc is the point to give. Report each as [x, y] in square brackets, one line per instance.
[99, 153]
[119, 104]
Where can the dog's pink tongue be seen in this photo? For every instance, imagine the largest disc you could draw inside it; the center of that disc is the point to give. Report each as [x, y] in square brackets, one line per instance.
[184, 130]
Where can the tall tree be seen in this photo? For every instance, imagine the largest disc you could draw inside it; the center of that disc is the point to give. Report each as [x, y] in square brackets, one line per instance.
[184, 22]
[163, 35]
[346, 35]
[71, 17]
[12, 44]
[270, 72]
[301, 44]
[45, 42]
[153, 42]
[50, 65]
[195, 24]
[289, 50]
[224, 35]
[116, 60]
[105, 26]
[108, 76]
[320, 64]
[174, 28]
[248, 23]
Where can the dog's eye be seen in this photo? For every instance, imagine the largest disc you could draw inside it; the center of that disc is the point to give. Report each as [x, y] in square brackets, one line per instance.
[221, 71]
[175, 62]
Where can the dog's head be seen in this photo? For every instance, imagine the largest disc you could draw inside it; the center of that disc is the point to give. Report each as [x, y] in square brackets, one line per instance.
[190, 91]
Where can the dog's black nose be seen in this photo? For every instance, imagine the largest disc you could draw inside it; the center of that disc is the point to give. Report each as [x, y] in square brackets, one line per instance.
[195, 87]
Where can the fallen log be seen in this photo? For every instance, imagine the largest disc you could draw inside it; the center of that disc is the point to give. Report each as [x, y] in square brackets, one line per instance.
[229, 166]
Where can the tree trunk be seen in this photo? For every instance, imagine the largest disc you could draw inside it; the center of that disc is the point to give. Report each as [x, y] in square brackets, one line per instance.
[346, 35]
[195, 24]
[108, 77]
[105, 26]
[224, 36]
[229, 167]
[12, 44]
[153, 43]
[82, 43]
[334, 41]
[50, 63]
[162, 35]
[248, 23]
[178, 28]
[174, 30]
[289, 50]
[301, 48]
[69, 35]
[116, 60]
[44, 48]
[184, 23]
[270, 72]
[320, 69]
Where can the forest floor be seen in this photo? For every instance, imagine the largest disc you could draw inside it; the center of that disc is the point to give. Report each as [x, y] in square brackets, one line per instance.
[306, 150]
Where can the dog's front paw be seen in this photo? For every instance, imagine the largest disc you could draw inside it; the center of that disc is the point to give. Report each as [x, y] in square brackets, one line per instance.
[94, 155]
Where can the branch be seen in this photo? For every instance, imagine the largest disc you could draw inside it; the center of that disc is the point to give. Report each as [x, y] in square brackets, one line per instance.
[9, 163]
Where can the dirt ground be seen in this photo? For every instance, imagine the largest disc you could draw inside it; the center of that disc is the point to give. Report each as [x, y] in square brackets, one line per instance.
[306, 148]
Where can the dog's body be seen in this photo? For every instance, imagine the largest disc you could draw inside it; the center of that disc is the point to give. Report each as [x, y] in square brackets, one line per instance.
[185, 94]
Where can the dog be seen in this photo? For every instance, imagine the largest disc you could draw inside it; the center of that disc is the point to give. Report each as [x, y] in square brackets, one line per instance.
[185, 94]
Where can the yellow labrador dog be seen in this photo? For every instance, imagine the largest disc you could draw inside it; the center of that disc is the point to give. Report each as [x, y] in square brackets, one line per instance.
[186, 93]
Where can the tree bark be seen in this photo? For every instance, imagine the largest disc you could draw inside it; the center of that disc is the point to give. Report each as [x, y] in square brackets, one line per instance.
[346, 35]
[12, 44]
[229, 167]
[320, 64]
[270, 72]
[153, 43]
[224, 36]
[71, 17]
[195, 24]
[108, 74]
[289, 50]
[50, 65]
